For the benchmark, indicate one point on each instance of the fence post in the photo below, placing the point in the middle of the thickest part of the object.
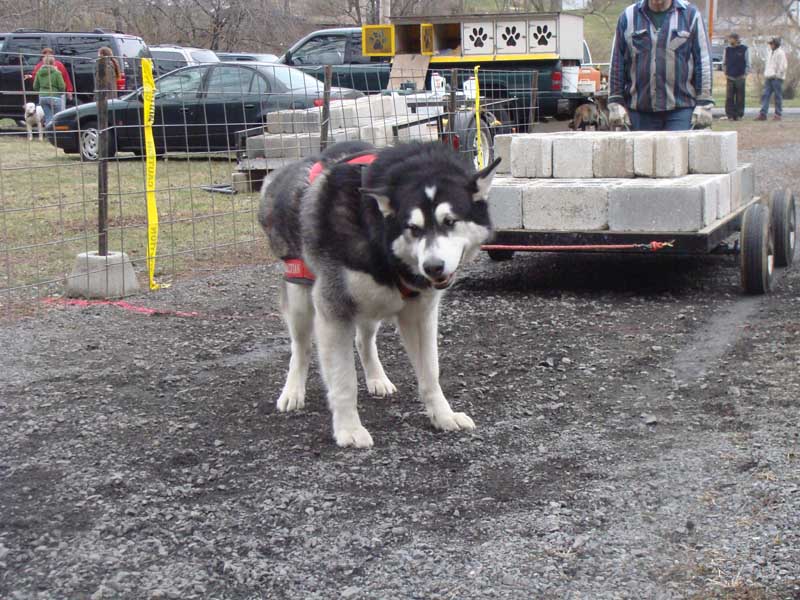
(326, 108)
(104, 84)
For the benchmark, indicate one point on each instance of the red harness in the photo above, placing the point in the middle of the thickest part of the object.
(296, 270)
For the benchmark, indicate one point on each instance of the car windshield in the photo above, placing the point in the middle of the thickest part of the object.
(292, 79)
(204, 56)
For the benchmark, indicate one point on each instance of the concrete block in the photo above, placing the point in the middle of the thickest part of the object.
(713, 152)
(96, 276)
(346, 134)
(661, 205)
(505, 202)
(572, 156)
(725, 203)
(747, 183)
(613, 156)
(671, 154)
(254, 146)
(379, 105)
(378, 134)
(419, 133)
(240, 181)
(287, 145)
(644, 148)
(532, 156)
(502, 149)
(280, 121)
(344, 115)
(306, 121)
(566, 204)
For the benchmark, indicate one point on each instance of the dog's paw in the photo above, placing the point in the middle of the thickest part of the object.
(452, 421)
(356, 437)
(380, 386)
(291, 399)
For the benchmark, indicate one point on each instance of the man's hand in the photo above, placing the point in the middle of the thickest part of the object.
(69, 96)
(701, 117)
(618, 116)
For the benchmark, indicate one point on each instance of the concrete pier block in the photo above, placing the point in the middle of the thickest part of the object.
(502, 149)
(662, 206)
(505, 202)
(96, 276)
(713, 151)
(613, 156)
(566, 204)
(532, 156)
(572, 157)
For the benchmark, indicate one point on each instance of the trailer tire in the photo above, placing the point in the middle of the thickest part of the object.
(784, 226)
(500, 255)
(467, 132)
(757, 257)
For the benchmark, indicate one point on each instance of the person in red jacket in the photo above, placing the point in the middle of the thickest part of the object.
(58, 65)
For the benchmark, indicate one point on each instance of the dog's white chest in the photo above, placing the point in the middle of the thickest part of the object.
(374, 301)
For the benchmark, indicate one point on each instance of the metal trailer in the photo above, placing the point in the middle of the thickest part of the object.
(767, 233)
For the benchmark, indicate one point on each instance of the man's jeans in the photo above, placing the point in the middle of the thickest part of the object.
(734, 98)
(50, 105)
(772, 86)
(679, 119)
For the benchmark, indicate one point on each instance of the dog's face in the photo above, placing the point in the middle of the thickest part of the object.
(436, 223)
(30, 109)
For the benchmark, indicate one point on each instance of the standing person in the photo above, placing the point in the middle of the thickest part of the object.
(61, 69)
(105, 51)
(774, 74)
(50, 84)
(660, 68)
(736, 65)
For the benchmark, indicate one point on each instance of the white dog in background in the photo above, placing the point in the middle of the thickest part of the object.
(34, 116)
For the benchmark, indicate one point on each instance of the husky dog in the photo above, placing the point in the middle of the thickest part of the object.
(34, 117)
(381, 236)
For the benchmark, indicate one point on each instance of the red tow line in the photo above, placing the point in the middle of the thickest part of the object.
(652, 246)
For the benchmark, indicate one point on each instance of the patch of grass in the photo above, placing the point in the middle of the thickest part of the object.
(598, 30)
(49, 205)
(752, 93)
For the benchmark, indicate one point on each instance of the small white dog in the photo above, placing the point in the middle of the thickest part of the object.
(34, 115)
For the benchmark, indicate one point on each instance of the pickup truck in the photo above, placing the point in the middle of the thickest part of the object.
(500, 77)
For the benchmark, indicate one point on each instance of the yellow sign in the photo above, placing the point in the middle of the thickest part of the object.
(377, 40)
(150, 168)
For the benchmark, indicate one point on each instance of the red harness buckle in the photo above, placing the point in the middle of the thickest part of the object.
(296, 271)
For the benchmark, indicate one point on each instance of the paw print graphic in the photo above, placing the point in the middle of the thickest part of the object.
(377, 40)
(542, 35)
(478, 37)
(511, 36)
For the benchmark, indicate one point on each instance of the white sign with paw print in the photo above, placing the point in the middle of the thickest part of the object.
(542, 36)
(478, 37)
(511, 37)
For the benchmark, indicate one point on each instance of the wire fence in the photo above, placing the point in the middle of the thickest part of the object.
(218, 130)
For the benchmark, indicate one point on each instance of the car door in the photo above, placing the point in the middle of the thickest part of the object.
(320, 50)
(231, 103)
(19, 57)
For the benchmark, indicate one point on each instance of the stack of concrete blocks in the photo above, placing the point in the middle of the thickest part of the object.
(618, 181)
(293, 134)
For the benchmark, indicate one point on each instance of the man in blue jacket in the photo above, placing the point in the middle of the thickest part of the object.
(736, 65)
(660, 77)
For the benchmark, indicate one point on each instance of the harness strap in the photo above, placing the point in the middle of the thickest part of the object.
(358, 159)
(296, 271)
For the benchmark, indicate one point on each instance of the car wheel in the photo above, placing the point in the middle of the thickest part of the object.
(89, 141)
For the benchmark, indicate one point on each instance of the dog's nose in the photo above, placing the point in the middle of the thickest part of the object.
(434, 267)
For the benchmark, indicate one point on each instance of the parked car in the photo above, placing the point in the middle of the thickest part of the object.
(22, 50)
(247, 57)
(197, 109)
(167, 58)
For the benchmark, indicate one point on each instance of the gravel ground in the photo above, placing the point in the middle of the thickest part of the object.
(637, 438)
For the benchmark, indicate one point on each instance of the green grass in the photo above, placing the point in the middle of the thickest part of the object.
(752, 93)
(48, 214)
(598, 30)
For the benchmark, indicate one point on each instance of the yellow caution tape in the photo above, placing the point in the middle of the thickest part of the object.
(478, 118)
(150, 169)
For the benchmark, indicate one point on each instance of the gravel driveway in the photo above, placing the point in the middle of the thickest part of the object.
(637, 438)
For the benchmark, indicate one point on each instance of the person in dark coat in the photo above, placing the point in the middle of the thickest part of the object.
(736, 65)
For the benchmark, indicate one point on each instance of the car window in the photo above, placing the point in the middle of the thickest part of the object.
(166, 61)
(321, 50)
(291, 79)
(132, 47)
(228, 82)
(184, 84)
(81, 46)
(204, 56)
(259, 85)
(22, 51)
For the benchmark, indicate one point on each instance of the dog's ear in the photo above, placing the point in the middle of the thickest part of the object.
(482, 181)
(381, 196)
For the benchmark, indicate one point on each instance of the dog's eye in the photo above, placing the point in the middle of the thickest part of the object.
(414, 230)
(449, 222)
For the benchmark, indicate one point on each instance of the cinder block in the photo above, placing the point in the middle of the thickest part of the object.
(240, 181)
(745, 178)
(644, 148)
(566, 204)
(505, 202)
(661, 205)
(419, 133)
(502, 150)
(532, 156)
(379, 105)
(613, 156)
(347, 134)
(671, 154)
(572, 156)
(306, 121)
(280, 121)
(378, 134)
(254, 145)
(344, 115)
(725, 203)
(288, 145)
(713, 151)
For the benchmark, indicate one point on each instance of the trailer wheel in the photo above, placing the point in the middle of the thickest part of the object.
(500, 255)
(784, 226)
(465, 128)
(757, 257)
